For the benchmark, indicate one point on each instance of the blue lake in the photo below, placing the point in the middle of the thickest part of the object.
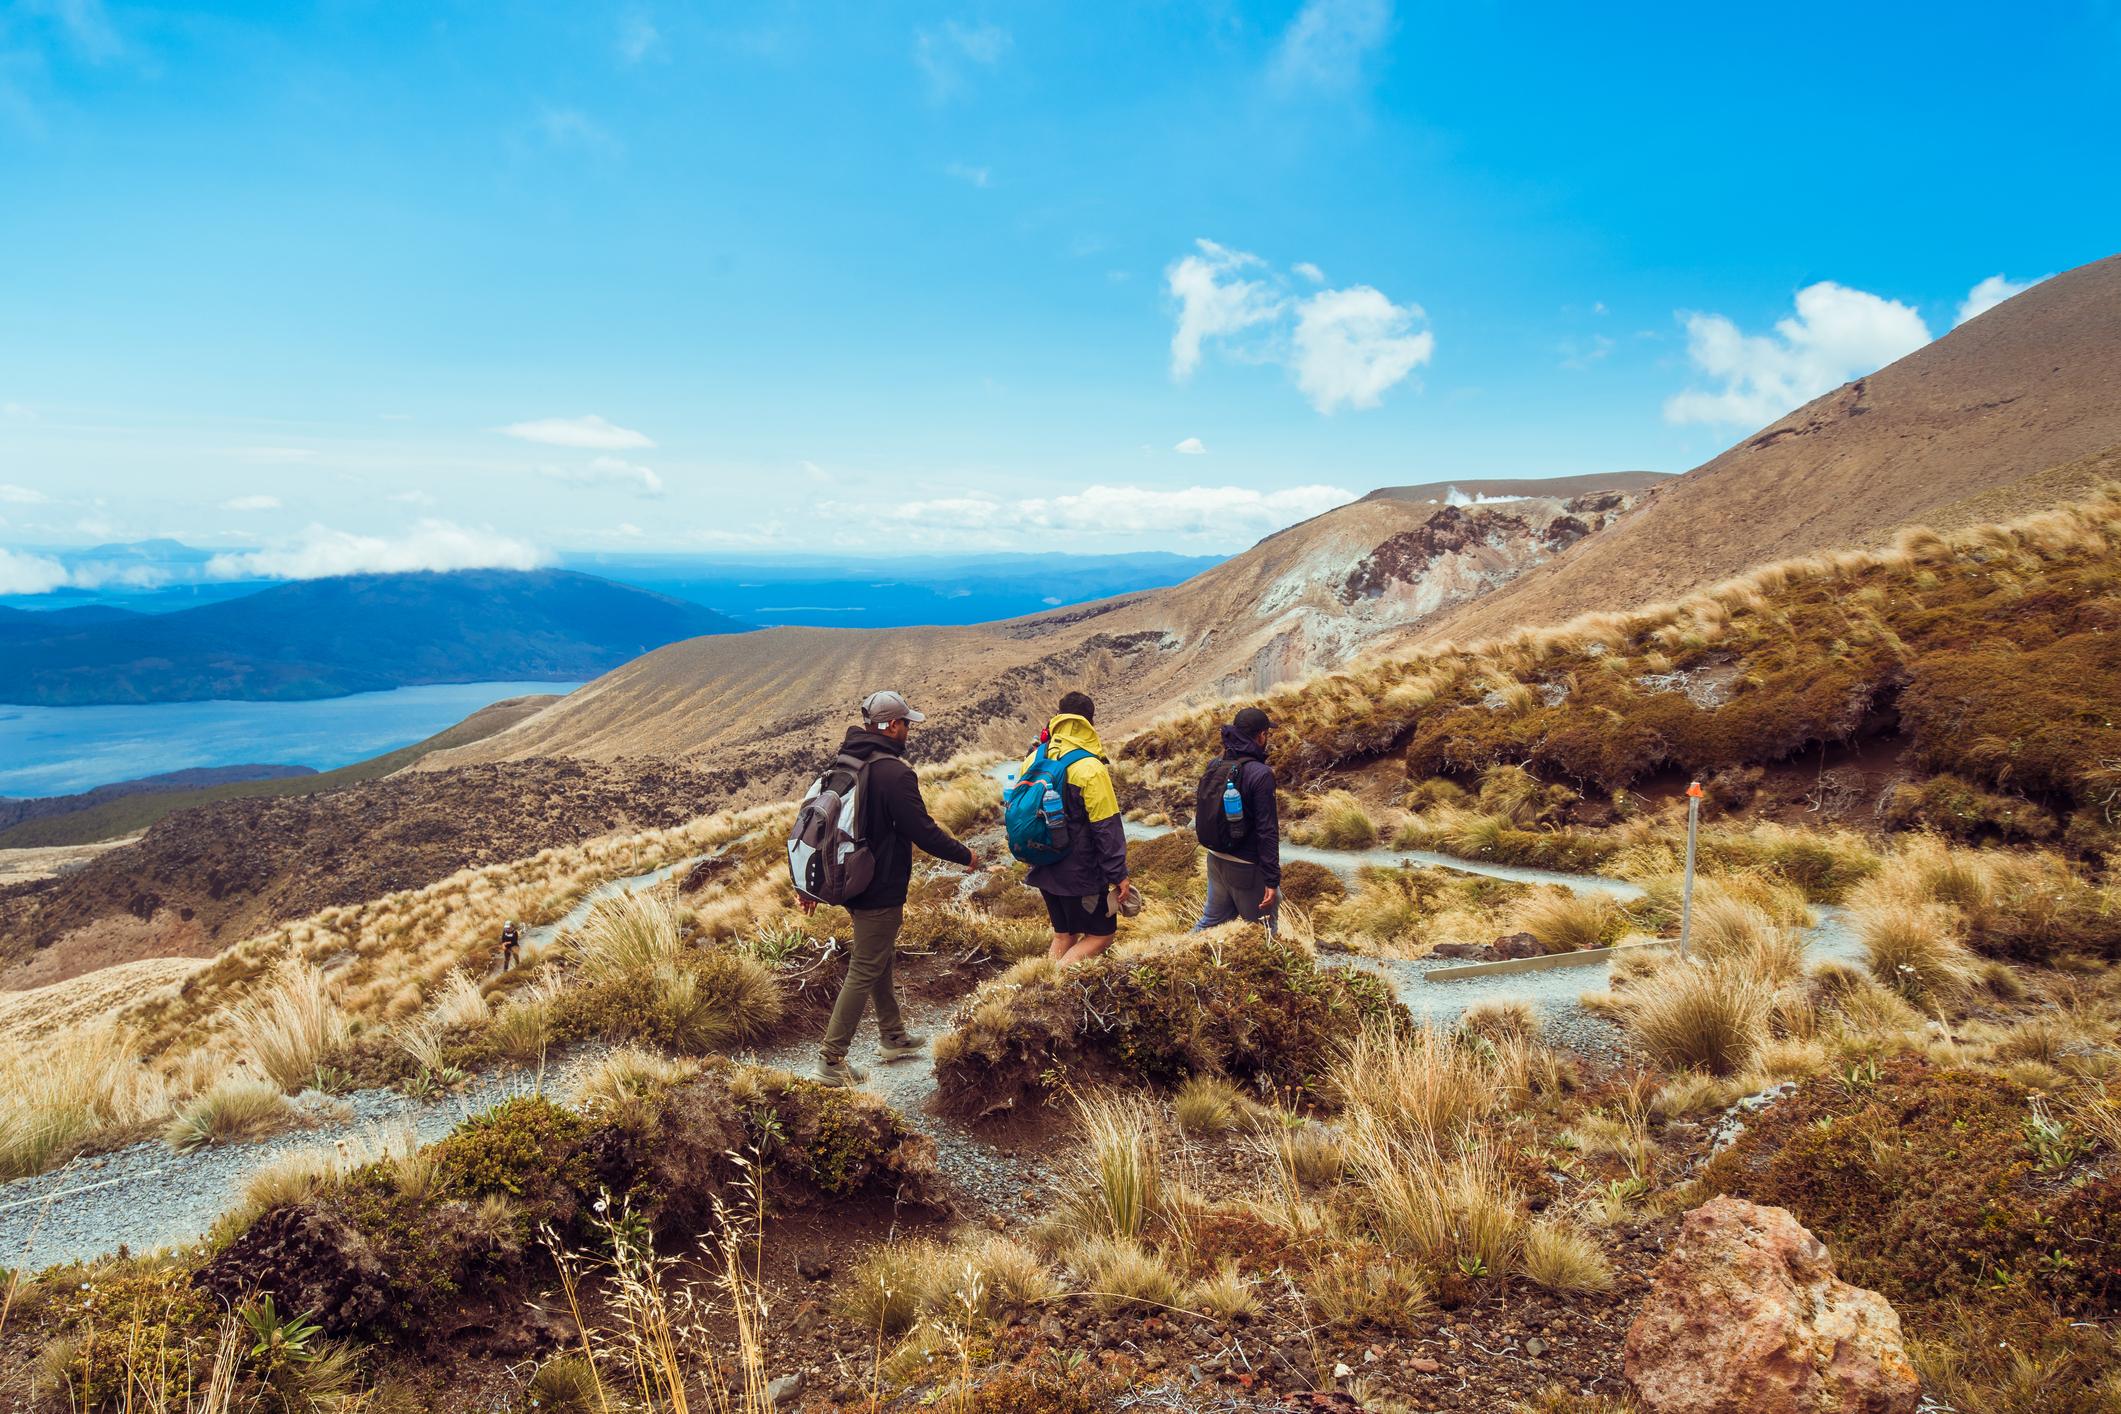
(60, 750)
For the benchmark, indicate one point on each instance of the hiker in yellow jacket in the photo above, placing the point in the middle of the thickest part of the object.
(1085, 888)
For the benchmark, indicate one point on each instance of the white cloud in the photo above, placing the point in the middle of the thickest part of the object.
(628, 530)
(1836, 334)
(429, 545)
(1991, 292)
(1192, 447)
(17, 412)
(1227, 514)
(943, 53)
(1353, 344)
(974, 176)
(412, 498)
(1309, 271)
(1579, 354)
(1345, 347)
(1456, 497)
(1329, 43)
(590, 431)
(1213, 302)
(21, 495)
(609, 471)
(251, 503)
(638, 37)
(29, 574)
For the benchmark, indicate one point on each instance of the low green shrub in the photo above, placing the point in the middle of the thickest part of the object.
(1927, 1186)
(1245, 1006)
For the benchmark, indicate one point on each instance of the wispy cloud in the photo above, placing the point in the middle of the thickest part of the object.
(1191, 447)
(1228, 515)
(609, 471)
(277, 456)
(22, 495)
(1991, 292)
(1345, 347)
(1328, 45)
(944, 54)
(84, 23)
(638, 37)
(22, 573)
(1214, 300)
(251, 503)
(590, 431)
(573, 130)
(971, 176)
(430, 545)
(1836, 334)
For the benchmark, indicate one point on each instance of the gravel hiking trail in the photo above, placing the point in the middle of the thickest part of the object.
(144, 1196)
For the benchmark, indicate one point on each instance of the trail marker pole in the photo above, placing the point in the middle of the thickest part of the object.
(1686, 897)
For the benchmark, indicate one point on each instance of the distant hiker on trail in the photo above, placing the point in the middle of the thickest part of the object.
(1235, 821)
(511, 942)
(853, 845)
(1063, 820)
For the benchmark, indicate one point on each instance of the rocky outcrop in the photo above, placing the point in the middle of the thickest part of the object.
(1746, 1316)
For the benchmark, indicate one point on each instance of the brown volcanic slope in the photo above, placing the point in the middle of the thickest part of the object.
(1305, 599)
(1559, 487)
(2028, 386)
(206, 877)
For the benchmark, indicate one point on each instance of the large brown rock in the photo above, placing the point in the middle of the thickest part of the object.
(1746, 1316)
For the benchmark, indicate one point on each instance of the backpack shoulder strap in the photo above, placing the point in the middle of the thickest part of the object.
(1074, 756)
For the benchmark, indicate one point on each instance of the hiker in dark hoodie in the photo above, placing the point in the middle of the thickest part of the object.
(894, 820)
(1086, 888)
(1235, 821)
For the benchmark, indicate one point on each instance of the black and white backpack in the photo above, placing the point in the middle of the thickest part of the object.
(829, 860)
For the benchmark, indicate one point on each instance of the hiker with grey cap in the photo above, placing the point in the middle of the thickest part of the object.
(1235, 820)
(885, 818)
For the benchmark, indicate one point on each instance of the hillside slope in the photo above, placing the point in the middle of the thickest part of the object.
(2030, 385)
(330, 637)
(1305, 599)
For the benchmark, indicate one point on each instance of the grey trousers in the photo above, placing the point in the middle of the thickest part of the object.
(870, 978)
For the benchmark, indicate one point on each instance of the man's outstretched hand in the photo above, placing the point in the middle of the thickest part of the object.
(805, 903)
(975, 864)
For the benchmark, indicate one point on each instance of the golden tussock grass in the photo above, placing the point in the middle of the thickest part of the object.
(64, 1092)
(1699, 1016)
(239, 1107)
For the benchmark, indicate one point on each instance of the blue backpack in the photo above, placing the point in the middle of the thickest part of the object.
(1034, 808)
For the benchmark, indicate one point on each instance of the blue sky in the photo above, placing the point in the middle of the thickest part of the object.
(357, 284)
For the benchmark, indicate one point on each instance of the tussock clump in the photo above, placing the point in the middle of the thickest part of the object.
(1562, 921)
(1232, 1003)
(1209, 1104)
(239, 1107)
(1420, 1084)
(641, 982)
(292, 1028)
(57, 1095)
(1119, 1273)
(1914, 949)
(1363, 1285)
(1699, 1016)
(1562, 1258)
(1338, 821)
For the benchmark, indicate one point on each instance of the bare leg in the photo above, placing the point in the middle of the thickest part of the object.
(1062, 942)
(1085, 947)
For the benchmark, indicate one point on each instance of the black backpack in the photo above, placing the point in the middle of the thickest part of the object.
(829, 859)
(1211, 827)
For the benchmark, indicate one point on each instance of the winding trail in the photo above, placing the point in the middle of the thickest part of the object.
(143, 1197)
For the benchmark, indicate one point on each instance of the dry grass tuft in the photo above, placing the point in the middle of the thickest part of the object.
(56, 1096)
(293, 1027)
(239, 1107)
(1565, 1259)
(1417, 1085)
(1563, 921)
(1700, 1016)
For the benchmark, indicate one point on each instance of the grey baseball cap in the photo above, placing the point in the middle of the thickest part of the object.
(879, 708)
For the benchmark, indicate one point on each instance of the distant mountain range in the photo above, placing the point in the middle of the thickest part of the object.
(330, 637)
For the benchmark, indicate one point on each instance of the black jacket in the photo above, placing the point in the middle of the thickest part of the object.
(1255, 781)
(894, 820)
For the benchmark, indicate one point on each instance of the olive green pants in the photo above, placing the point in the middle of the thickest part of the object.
(870, 977)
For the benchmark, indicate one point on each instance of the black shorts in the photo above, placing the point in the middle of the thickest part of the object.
(1071, 915)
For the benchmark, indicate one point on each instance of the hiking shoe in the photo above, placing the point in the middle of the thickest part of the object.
(839, 1072)
(908, 1047)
